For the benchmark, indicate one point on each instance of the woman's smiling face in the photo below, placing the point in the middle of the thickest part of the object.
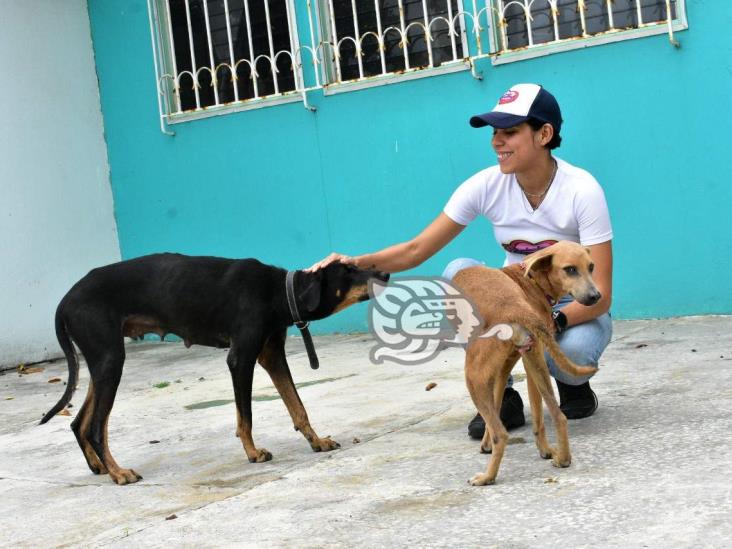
(517, 148)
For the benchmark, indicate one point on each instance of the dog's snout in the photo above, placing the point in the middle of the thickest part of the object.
(593, 297)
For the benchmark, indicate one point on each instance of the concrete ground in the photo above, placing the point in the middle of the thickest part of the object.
(650, 469)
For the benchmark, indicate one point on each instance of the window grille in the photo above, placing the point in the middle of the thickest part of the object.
(520, 24)
(378, 37)
(216, 56)
(220, 52)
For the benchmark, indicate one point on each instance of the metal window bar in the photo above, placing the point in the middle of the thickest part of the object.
(194, 71)
(529, 20)
(252, 68)
(313, 49)
(293, 60)
(640, 12)
(502, 24)
(169, 83)
(176, 81)
(427, 34)
(357, 39)
(334, 38)
(582, 11)
(403, 32)
(382, 53)
(555, 18)
(163, 105)
(212, 67)
(271, 48)
(232, 64)
(451, 29)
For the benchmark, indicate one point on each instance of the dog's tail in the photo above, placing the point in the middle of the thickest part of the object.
(560, 359)
(73, 362)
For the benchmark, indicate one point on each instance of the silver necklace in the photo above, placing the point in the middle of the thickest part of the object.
(549, 184)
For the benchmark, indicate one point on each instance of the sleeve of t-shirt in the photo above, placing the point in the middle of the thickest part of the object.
(592, 214)
(465, 203)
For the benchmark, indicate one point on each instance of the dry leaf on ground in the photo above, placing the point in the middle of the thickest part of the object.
(22, 369)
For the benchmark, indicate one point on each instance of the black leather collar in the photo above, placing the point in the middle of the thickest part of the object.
(302, 326)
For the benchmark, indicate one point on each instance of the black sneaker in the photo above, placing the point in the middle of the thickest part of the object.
(577, 401)
(512, 415)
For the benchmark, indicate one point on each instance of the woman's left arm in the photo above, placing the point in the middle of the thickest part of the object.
(602, 257)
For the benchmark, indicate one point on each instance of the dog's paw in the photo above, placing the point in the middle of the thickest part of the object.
(124, 476)
(547, 453)
(481, 479)
(324, 445)
(563, 461)
(262, 456)
(98, 468)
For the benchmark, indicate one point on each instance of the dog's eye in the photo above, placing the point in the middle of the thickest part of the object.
(591, 267)
(571, 271)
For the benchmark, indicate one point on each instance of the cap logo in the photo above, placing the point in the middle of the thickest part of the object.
(509, 97)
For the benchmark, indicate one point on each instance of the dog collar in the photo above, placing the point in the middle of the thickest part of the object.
(302, 326)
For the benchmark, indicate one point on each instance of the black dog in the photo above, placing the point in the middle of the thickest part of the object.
(241, 304)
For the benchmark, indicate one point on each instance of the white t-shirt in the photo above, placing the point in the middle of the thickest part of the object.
(573, 209)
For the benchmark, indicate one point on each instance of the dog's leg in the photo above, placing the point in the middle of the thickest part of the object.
(486, 445)
(241, 360)
(106, 372)
(483, 363)
(101, 343)
(537, 416)
(534, 360)
(273, 359)
(80, 426)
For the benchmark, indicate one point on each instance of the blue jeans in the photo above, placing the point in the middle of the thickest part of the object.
(583, 344)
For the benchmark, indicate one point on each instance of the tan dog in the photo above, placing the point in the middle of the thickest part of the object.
(521, 296)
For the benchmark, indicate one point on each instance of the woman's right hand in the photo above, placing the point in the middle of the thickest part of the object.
(406, 255)
(332, 258)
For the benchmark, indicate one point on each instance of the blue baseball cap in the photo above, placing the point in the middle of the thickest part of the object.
(518, 104)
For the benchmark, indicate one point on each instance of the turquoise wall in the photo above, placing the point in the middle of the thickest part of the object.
(372, 167)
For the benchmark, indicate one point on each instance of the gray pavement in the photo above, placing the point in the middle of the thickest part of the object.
(650, 469)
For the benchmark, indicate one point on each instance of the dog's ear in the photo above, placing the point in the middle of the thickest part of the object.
(539, 261)
(309, 295)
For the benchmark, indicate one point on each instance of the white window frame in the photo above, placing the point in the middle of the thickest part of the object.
(165, 63)
(500, 57)
(328, 67)
(476, 19)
